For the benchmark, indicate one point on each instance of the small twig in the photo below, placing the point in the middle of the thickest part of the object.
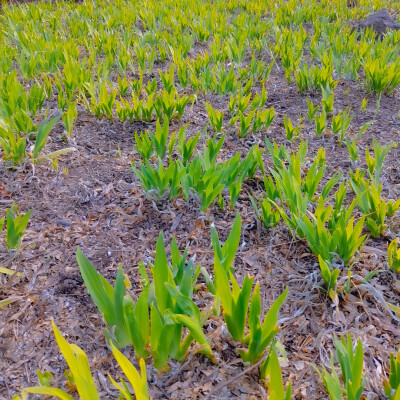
(236, 377)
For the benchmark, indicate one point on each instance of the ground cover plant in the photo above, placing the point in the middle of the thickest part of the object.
(203, 197)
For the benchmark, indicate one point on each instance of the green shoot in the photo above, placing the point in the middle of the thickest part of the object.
(393, 256)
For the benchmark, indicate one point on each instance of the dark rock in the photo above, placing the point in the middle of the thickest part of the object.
(380, 21)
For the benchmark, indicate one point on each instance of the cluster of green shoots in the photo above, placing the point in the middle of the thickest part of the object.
(295, 194)
(352, 382)
(88, 54)
(15, 225)
(351, 361)
(164, 322)
(119, 62)
(81, 378)
(393, 255)
(170, 166)
(147, 102)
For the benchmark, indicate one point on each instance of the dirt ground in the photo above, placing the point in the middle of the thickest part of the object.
(95, 201)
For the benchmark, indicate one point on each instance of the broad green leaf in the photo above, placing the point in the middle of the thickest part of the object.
(330, 381)
(358, 365)
(161, 275)
(222, 285)
(275, 384)
(231, 244)
(185, 304)
(139, 383)
(188, 280)
(161, 337)
(60, 394)
(119, 293)
(136, 328)
(271, 318)
(41, 137)
(142, 313)
(255, 311)
(122, 388)
(96, 289)
(196, 331)
(240, 308)
(79, 366)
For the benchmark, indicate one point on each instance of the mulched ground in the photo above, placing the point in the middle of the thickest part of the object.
(96, 203)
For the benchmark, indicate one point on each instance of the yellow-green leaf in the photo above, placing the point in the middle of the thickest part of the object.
(139, 383)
